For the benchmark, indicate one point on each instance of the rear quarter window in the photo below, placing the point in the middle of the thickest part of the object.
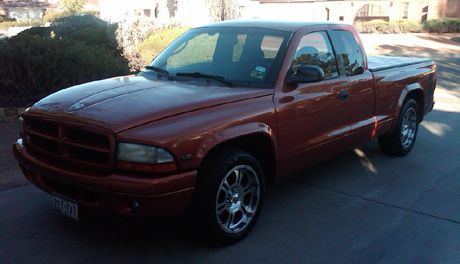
(352, 57)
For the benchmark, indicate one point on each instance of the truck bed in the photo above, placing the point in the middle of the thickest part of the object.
(379, 63)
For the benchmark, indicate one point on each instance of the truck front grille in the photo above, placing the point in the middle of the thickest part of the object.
(89, 148)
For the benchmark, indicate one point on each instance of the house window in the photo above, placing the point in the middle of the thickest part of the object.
(341, 18)
(369, 12)
(405, 9)
(424, 14)
(156, 11)
(147, 12)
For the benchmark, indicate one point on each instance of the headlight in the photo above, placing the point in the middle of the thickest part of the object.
(143, 154)
(144, 158)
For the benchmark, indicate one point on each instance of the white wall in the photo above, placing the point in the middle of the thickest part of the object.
(22, 14)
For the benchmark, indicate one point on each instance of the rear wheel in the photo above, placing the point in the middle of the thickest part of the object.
(228, 196)
(402, 139)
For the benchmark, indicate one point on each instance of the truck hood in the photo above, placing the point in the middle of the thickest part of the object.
(124, 102)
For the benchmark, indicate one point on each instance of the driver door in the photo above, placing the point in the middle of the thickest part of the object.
(313, 118)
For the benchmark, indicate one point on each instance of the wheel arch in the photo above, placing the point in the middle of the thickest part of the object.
(255, 138)
(413, 91)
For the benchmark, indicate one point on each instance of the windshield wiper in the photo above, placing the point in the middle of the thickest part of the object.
(207, 76)
(158, 69)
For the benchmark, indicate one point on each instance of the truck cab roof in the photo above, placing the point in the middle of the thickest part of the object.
(272, 24)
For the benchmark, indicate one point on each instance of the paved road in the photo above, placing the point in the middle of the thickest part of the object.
(358, 207)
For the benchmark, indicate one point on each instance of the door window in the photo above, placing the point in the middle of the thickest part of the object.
(316, 49)
(352, 57)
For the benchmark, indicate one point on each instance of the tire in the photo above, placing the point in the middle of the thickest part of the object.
(228, 197)
(402, 139)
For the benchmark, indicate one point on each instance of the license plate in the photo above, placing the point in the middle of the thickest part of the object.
(65, 206)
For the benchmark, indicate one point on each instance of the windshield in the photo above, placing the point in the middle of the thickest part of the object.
(249, 57)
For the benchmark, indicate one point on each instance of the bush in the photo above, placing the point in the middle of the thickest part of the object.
(6, 19)
(91, 12)
(131, 33)
(85, 28)
(377, 26)
(36, 62)
(157, 42)
(442, 25)
(43, 32)
(404, 26)
(25, 23)
(51, 16)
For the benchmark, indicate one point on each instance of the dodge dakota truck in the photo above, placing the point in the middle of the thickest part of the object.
(225, 110)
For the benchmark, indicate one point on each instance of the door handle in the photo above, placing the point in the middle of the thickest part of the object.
(343, 95)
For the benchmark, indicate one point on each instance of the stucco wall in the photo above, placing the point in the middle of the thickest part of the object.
(317, 11)
(26, 13)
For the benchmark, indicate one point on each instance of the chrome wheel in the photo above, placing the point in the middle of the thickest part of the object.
(408, 127)
(237, 199)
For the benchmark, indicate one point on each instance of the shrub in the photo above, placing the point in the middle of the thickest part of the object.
(91, 12)
(51, 16)
(36, 63)
(442, 25)
(131, 33)
(85, 28)
(25, 23)
(404, 26)
(6, 19)
(43, 32)
(377, 26)
(157, 42)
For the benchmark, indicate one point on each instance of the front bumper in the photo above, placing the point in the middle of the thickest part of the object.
(110, 193)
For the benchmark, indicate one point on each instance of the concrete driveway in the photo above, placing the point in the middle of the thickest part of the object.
(358, 207)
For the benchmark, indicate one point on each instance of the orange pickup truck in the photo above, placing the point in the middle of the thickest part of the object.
(223, 111)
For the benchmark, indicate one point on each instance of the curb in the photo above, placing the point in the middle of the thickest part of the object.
(10, 114)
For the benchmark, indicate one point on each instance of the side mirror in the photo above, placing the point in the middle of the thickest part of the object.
(306, 74)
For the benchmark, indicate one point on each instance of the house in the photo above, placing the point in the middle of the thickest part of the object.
(92, 5)
(185, 12)
(21, 10)
(354, 12)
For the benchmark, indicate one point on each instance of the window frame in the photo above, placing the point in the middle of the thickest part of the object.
(340, 49)
(331, 42)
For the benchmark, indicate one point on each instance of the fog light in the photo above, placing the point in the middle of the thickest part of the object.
(135, 206)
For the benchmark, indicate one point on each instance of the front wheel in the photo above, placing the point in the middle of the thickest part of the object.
(402, 139)
(228, 196)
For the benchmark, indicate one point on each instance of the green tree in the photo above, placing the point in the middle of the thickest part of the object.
(73, 6)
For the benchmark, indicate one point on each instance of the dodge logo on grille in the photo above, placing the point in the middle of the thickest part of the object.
(76, 106)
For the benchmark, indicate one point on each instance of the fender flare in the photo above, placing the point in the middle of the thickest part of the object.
(229, 133)
(402, 97)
